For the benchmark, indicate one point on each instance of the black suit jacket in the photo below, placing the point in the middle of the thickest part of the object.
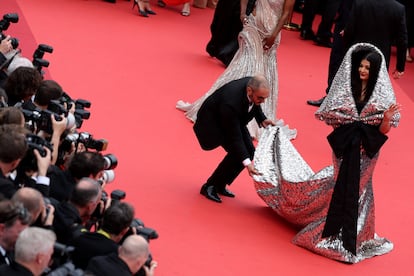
(108, 266)
(89, 245)
(381, 23)
(223, 117)
(7, 187)
(14, 269)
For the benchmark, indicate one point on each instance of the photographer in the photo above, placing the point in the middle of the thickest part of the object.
(83, 164)
(13, 147)
(130, 258)
(50, 90)
(14, 218)
(21, 85)
(42, 213)
(116, 221)
(71, 216)
(33, 252)
(5, 47)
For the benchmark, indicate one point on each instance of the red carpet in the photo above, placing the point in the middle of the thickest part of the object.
(134, 69)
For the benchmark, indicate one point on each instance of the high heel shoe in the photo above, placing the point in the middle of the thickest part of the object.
(150, 12)
(141, 12)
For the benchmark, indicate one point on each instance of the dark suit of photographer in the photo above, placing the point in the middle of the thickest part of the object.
(72, 216)
(115, 224)
(83, 164)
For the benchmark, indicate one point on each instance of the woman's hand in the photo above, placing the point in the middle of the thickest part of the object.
(268, 42)
(391, 111)
(388, 114)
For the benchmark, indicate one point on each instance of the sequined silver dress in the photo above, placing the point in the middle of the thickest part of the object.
(290, 187)
(251, 59)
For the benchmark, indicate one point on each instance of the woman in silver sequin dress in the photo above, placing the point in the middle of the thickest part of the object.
(335, 207)
(258, 42)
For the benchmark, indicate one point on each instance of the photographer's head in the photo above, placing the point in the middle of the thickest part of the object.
(86, 196)
(48, 90)
(34, 249)
(22, 84)
(13, 147)
(134, 252)
(117, 219)
(14, 218)
(87, 164)
(11, 115)
(32, 200)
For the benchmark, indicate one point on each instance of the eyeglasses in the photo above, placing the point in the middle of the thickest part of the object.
(20, 213)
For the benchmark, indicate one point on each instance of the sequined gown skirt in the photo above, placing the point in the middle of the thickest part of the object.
(290, 187)
(249, 60)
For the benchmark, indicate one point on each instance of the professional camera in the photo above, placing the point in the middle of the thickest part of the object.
(29, 161)
(146, 232)
(4, 25)
(61, 262)
(41, 119)
(86, 139)
(80, 105)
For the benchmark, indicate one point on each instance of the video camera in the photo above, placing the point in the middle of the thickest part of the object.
(4, 25)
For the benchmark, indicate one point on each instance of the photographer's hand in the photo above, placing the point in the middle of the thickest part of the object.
(49, 215)
(5, 45)
(58, 128)
(43, 163)
(149, 271)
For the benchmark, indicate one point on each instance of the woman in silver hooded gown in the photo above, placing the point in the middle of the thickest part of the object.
(258, 42)
(335, 207)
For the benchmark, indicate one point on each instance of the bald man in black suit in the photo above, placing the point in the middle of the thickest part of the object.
(221, 121)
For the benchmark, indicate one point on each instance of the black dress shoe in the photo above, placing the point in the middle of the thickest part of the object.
(324, 42)
(316, 103)
(307, 35)
(210, 193)
(226, 192)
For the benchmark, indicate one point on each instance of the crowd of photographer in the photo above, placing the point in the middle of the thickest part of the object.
(55, 216)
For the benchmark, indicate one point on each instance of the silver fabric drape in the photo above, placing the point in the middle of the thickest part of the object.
(290, 187)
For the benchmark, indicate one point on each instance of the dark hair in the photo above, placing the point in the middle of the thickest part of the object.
(10, 212)
(86, 163)
(21, 84)
(48, 90)
(82, 195)
(11, 115)
(375, 60)
(117, 218)
(13, 143)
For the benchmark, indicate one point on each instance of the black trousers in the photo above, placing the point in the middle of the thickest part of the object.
(231, 166)
(328, 10)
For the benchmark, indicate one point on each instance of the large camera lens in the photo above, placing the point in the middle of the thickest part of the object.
(110, 161)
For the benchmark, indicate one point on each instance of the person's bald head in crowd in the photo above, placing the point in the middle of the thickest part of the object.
(32, 200)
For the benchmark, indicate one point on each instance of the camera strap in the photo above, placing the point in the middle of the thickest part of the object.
(104, 233)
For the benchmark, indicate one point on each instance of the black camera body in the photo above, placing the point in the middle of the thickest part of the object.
(41, 119)
(87, 140)
(80, 105)
(29, 161)
(37, 142)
